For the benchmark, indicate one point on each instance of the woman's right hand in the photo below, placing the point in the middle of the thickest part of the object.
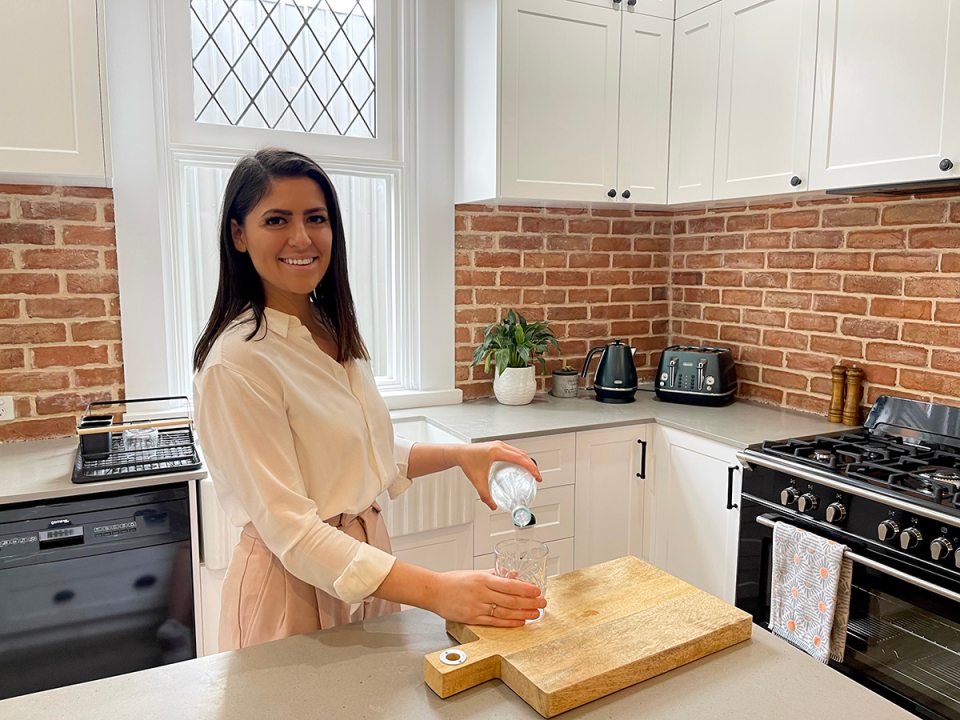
(479, 597)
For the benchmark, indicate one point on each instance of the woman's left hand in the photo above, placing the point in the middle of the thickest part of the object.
(475, 461)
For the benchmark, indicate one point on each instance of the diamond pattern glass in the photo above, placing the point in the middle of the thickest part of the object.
(300, 65)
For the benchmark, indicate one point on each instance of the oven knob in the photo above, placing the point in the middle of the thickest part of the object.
(836, 513)
(940, 548)
(910, 538)
(788, 496)
(887, 529)
(808, 502)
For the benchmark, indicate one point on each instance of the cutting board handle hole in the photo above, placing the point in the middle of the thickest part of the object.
(453, 657)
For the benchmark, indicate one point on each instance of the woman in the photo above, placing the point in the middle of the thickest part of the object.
(299, 442)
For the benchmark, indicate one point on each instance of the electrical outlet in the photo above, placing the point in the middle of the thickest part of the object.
(6, 408)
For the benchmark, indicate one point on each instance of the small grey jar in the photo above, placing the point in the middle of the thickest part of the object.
(566, 382)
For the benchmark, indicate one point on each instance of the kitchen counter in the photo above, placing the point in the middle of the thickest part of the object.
(374, 669)
(738, 424)
(41, 470)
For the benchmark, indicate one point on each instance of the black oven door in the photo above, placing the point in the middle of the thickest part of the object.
(903, 638)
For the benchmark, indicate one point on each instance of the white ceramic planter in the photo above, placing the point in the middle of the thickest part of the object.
(516, 386)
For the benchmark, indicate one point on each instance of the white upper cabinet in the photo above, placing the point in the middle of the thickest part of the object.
(768, 55)
(559, 95)
(694, 117)
(685, 7)
(51, 126)
(888, 92)
(657, 8)
(646, 57)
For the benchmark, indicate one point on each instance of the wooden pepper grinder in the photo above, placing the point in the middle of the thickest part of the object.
(836, 400)
(851, 405)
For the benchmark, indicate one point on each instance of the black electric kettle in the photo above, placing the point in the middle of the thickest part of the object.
(616, 378)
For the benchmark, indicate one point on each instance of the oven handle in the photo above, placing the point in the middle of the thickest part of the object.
(770, 521)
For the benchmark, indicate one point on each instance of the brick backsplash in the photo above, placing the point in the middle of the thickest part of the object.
(792, 284)
(59, 307)
(592, 273)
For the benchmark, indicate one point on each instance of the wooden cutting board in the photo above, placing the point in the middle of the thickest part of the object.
(606, 627)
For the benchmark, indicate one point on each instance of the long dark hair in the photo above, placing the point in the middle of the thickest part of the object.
(240, 285)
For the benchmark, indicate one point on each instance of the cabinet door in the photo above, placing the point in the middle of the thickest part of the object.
(694, 535)
(51, 119)
(768, 55)
(559, 95)
(685, 7)
(887, 102)
(657, 8)
(646, 59)
(611, 486)
(696, 62)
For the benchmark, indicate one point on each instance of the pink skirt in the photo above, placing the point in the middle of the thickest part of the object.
(263, 601)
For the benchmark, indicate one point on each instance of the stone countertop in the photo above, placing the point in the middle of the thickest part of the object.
(738, 424)
(41, 470)
(374, 669)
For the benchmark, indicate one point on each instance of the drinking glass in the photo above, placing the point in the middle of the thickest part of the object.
(144, 440)
(523, 559)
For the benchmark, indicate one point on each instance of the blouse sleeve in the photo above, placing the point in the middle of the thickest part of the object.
(401, 455)
(246, 439)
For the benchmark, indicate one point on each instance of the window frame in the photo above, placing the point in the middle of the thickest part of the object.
(392, 77)
(144, 194)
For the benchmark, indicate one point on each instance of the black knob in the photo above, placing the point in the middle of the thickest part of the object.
(616, 2)
(625, 193)
(836, 512)
(795, 181)
(946, 164)
(940, 548)
(631, 3)
(788, 496)
(611, 193)
(887, 529)
(910, 538)
(808, 502)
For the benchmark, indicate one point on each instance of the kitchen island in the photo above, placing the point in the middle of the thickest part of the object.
(374, 669)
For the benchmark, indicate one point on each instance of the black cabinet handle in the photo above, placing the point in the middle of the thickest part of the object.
(795, 181)
(611, 193)
(625, 193)
(730, 471)
(946, 164)
(631, 3)
(643, 460)
(616, 2)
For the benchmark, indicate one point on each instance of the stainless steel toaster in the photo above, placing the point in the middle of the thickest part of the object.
(696, 375)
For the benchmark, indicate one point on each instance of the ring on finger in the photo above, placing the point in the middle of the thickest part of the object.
(493, 608)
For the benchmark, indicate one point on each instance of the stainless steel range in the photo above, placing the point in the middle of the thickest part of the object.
(891, 493)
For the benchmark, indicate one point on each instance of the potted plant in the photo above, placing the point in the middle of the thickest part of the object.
(511, 346)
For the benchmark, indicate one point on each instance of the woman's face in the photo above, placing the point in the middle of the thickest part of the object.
(288, 237)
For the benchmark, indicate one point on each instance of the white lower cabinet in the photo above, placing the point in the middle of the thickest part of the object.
(611, 494)
(693, 533)
(211, 585)
(438, 550)
(560, 559)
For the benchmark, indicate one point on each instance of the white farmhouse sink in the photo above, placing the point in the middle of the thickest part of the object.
(439, 500)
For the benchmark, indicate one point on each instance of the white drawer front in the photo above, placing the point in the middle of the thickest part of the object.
(556, 456)
(560, 559)
(553, 510)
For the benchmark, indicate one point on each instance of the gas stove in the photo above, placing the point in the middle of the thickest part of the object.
(889, 492)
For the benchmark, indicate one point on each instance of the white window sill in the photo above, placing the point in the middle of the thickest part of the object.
(404, 399)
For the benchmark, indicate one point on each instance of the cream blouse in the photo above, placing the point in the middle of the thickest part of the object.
(291, 437)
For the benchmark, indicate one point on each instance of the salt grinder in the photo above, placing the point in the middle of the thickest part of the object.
(836, 400)
(851, 406)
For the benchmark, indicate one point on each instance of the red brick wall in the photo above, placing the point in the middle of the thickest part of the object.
(593, 274)
(796, 285)
(59, 307)
(792, 284)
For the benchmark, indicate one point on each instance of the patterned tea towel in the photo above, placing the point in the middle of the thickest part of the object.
(810, 597)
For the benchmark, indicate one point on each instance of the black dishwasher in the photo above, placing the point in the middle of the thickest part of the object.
(94, 586)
